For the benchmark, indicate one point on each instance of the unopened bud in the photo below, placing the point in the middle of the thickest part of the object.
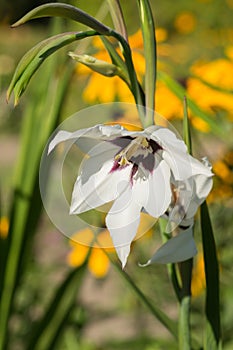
(99, 66)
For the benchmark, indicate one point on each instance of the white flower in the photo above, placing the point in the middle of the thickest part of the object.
(133, 169)
(187, 196)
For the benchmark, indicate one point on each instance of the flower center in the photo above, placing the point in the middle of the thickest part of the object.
(140, 154)
(137, 147)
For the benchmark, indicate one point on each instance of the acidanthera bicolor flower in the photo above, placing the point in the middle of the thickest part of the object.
(134, 169)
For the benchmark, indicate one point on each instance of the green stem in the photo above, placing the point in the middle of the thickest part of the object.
(135, 88)
(150, 53)
(184, 324)
(184, 313)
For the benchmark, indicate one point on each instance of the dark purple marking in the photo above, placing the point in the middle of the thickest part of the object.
(133, 172)
(154, 145)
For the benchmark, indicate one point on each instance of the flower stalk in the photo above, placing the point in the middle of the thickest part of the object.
(149, 40)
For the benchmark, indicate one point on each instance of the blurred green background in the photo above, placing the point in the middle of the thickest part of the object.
(107, 314)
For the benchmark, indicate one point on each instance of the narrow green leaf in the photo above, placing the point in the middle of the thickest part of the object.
(48, 330)
(186, 127)
(116, 59)
(149, 41)
(32, 60)
(117, 17)
(180, 92)
(159, 314)
(65, 11)
(212, 307)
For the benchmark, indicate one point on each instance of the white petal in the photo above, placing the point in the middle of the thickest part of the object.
(203, 185)
(123, 219)
(59, 137)
(98, 155)
(201, 189)
(168, 140)
(176, 249)
(100, 188)
(98, 132)
(175, 154)
(159, 190)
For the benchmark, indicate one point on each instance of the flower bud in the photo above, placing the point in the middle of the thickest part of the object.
(99, 66)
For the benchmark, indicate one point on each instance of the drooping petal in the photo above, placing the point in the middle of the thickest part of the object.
(176, 249)
(204, 182)
(159, 190)
(123, 218)
(191, 193)
(100, 188)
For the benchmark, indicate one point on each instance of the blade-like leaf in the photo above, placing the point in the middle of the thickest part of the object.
(50, 327)
(116, 59)
(65, 11)
(149, 42)
(212, 308)
(186, 127)
(117, 17)
(32, 60)
(159, 314)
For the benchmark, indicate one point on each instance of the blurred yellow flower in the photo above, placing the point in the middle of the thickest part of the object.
(185, 22)
(223, 186)
(200, 124)
(216, 73)
(4, 227)
(221, 169)
(161, 34)
(82, 242)
(198, 276)
(168, 104)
